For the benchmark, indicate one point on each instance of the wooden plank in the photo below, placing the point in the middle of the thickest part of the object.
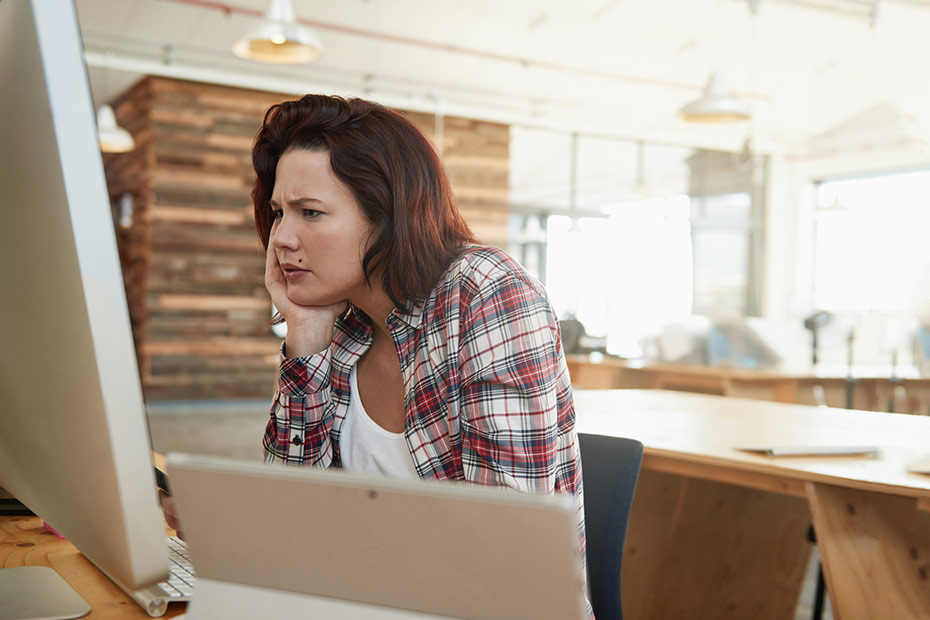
(220, 346)
(230, 142)
(170, 140)
(173, 176)
(183, 322)
(168, 238)
(220, 114)
(197, 90)
(206, 287)
(202, 197)
(454, 147)
(235, 277)
(195, 258)
(226, 391)
(699, 549)
(475, 161)
(213, 302)
(219, 364)
(190, 285)
(478, 178)
(495, 212)
(478, 194)
(188, 379)
(255, 107)
(471, 139)
(187, 115)
(199, 158)
(876, 553)
(200, 216)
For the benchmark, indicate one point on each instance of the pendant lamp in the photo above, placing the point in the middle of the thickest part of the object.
(715, 105)
(112, 137)
(279, 39)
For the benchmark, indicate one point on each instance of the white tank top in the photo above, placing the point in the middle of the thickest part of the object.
(366, 447)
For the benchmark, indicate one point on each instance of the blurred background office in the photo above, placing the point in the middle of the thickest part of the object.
(726, 184)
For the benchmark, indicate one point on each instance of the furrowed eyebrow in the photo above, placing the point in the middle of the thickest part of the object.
(296, 202)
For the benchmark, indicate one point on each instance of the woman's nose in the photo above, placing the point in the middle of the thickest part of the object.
(283, 235)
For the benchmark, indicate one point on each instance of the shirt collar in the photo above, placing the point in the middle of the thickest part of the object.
(357, 321)
(412, 316)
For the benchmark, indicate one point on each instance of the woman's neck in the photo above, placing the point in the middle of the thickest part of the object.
(378, 306)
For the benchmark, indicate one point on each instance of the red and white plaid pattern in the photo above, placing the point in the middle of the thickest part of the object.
(487, 392)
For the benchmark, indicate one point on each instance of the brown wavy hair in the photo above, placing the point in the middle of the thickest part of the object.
(394, 174)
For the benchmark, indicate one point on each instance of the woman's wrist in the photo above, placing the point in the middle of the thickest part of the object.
(303, 340)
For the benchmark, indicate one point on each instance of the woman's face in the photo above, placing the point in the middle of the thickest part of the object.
(319, 233)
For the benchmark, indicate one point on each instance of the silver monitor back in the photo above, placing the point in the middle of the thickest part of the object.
(74, 444)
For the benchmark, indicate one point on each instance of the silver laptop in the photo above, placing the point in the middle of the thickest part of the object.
(335, 544)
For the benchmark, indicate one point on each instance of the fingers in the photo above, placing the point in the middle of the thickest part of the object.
(170, 511)
(273, 273)
(275, 283)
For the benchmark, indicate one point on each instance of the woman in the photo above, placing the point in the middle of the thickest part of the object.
(410, 350)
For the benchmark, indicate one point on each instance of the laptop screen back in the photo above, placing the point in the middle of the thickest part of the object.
(442, 548)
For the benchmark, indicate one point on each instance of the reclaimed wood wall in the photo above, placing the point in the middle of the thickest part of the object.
(192, 262)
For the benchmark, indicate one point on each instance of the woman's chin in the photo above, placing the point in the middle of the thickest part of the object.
(307, 298)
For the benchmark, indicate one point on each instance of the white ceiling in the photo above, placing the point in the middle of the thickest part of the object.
(600, 67)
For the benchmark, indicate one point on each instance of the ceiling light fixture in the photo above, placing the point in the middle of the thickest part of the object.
(112, 137)
(716, 104)
(279, 39)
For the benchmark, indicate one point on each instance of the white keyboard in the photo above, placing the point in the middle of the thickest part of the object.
(180, 585)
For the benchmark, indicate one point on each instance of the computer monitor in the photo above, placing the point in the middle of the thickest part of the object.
(74, 444)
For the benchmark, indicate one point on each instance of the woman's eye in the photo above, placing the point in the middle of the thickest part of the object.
(277, 214)
(310, 213)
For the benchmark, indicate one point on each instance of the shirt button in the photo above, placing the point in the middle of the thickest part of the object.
(297, 440)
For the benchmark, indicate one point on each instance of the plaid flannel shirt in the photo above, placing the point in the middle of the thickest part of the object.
(487, 392)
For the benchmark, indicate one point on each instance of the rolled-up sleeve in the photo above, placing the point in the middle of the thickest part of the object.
(301, 419)
(513, 433)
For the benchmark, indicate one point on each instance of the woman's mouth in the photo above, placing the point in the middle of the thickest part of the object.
(293, 272)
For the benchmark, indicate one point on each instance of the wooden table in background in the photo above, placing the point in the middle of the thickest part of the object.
(871, 392)
(720, 533)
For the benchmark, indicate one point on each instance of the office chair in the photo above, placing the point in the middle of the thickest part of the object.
(610, 466)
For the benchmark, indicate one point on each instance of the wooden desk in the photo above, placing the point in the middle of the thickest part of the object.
(24, 542)
(871, 392)
(718, 533)
(715, 533)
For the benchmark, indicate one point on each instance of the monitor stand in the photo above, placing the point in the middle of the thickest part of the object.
(33, 592)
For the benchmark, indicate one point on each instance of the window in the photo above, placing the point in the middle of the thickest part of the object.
(629, 237)
(722, 237)
(624, 276)
(872, 252)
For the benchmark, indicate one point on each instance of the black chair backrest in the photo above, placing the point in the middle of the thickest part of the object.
(610, 467)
